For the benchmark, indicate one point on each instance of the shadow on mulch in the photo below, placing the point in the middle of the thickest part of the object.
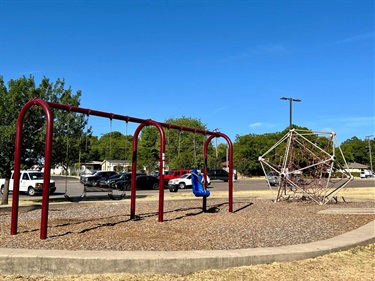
(189, 211)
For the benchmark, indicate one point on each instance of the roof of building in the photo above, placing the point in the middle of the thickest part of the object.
(357, 166)
(116, 161)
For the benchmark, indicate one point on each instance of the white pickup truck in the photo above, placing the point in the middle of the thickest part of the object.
(31, 182)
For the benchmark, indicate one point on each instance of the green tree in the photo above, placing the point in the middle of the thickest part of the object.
(184, 150)
(68, 128)
(148, 149)
(112, 146)
(121, 146)
(357, 150)
(92, 150)
(247, 149)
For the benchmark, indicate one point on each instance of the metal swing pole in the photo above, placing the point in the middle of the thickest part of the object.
(125, 148)
(66, 158)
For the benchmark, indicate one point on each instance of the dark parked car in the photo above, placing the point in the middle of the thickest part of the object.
(83, 176)
(95, 178)
(120, 178)
(106, 182)
(143, 182)
(218, 175)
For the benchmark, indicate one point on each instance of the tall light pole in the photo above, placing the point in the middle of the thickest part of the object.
(216, 130)
(291, 100)
(369, 150)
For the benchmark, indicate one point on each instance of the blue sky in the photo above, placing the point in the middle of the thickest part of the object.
(227, 63)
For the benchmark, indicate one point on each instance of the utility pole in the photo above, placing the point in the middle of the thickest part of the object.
(216, 130)
(291, 100)
(369, 150)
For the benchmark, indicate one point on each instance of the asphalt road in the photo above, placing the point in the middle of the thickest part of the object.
(74, 188)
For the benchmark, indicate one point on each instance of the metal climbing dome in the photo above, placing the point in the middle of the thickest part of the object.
(306, 165)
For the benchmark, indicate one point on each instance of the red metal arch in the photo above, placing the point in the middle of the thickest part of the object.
(161, 169)
(230, 160)
(47, 163)
(48, 150)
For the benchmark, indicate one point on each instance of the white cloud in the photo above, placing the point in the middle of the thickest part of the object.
(267, 49)
(356, 38)
(345, 127)
(255, 125)
(30, 72)
(220, 109)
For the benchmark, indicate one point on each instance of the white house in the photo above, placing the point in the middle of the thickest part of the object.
(116, 165)
(357, 167)
(90, 167)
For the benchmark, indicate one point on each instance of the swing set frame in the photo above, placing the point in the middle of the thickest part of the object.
(46, 106)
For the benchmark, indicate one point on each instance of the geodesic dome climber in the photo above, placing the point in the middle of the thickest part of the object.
(306, 165)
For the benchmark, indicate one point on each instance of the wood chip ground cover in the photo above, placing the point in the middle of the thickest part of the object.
(254, 223)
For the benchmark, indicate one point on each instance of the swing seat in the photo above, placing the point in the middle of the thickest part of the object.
(197, 186)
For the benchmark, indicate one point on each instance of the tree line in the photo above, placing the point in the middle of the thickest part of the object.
(74, 143)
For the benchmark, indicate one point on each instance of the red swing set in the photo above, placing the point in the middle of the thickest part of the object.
(143, 122)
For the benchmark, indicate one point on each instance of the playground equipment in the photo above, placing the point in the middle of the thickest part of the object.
(304, 165)
(143, 122)
(196, 182)
(87, 189)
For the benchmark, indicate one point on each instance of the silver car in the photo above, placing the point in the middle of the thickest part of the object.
(273, 178)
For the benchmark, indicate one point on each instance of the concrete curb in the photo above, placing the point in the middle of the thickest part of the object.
(60, 262)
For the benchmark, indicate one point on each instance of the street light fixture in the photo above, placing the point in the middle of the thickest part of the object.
(291, 100)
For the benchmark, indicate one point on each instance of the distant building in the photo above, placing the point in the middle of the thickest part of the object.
(357, 167)
(116, 165)
(90, 167)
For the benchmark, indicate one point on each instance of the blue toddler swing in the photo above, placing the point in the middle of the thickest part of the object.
(197, 186)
